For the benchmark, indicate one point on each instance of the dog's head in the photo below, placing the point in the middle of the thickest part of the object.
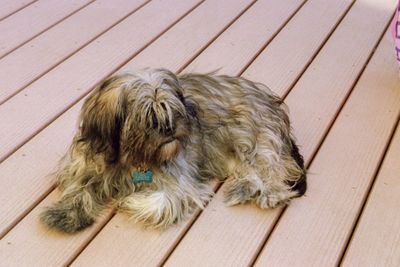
(138, 118)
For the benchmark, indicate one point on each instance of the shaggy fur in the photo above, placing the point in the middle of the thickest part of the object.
(186, 129)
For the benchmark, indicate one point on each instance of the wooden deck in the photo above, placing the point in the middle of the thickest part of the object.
(332, 60)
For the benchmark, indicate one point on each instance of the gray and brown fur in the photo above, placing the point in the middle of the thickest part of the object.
(187, 129)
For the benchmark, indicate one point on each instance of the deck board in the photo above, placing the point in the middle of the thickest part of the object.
(9, 7)
(326, 57)
(41, 102)
(33, 20)
(44, 52)
(311, 108)
(376, 241)
(341, 173)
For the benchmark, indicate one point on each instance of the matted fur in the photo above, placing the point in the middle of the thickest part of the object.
(186, 129)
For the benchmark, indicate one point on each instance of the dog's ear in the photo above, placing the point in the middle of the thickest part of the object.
(102, 117)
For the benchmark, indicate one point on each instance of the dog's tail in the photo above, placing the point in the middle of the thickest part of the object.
(300, 185)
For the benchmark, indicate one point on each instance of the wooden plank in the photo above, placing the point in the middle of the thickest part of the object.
(289, 54)
(41, 102)
(376, 241)
(33, 20)
(123, 232)
(9, 7)
(57, 137)
(47, 50)
(30, 234)
(341, 173)
(250, 225)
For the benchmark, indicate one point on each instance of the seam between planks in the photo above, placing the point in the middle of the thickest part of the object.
(368, 191)
(18, 9)
(75, 102)
(215, 37)
(317, 51)
(83, 247)
(179, 239)
(261, 50)
(73, 53)
(375, 175)
(47, 28)
(23, 215)
(315, 152)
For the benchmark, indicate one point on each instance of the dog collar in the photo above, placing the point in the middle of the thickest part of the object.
(142, 177)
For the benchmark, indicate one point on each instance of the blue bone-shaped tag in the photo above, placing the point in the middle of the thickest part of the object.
(142, 177)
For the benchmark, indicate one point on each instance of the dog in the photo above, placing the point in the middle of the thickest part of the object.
(149, 142)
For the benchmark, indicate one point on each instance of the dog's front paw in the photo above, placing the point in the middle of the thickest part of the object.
(239, 192)
(66, 219)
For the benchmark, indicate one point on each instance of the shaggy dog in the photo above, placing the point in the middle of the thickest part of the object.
(150, 141)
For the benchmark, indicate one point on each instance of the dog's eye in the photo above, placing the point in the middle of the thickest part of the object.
(168, 131)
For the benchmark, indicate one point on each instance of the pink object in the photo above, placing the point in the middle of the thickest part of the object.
(395, 27)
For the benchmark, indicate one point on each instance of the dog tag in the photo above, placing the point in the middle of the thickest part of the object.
(142, 177)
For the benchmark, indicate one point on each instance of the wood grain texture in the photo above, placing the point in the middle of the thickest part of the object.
(39, 55)
(182, 43)
(376, 240)
(314, 231)
(8, 7)
(286, 57)
(34, 19)
(41, 102)
(30, 243)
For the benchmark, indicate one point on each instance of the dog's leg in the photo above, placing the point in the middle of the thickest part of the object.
(84, 192)
(74, 212)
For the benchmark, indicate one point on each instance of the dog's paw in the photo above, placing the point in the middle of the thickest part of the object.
(68, 220)
(239, 192)
(274, 199)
